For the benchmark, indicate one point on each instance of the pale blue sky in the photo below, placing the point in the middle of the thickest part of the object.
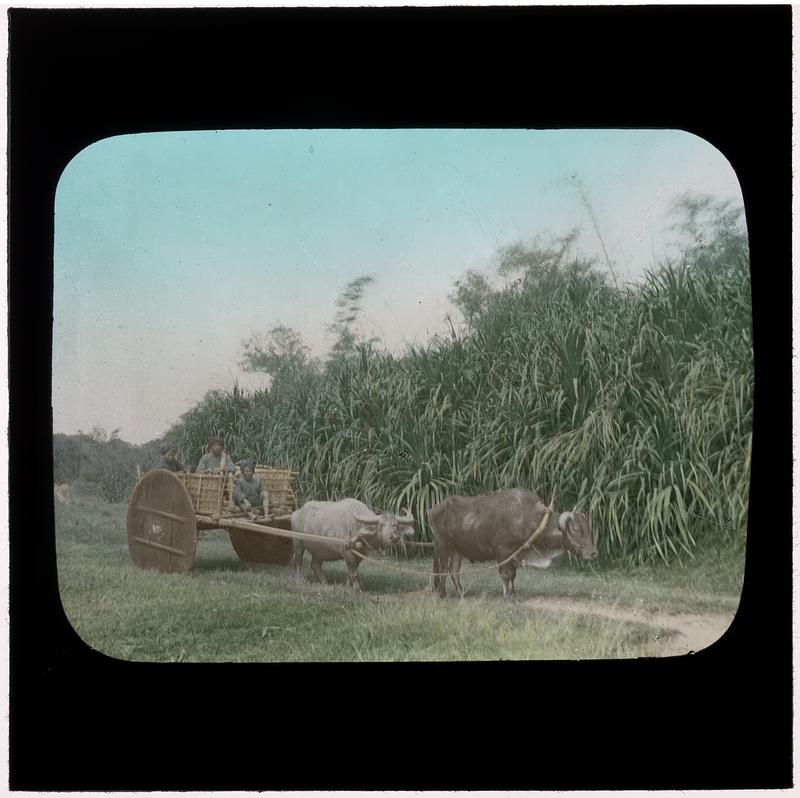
(170, 248)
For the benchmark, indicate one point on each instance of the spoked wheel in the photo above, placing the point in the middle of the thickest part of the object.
(162, 530)
(258, 549)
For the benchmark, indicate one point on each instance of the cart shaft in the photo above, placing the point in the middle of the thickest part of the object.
(249, 526)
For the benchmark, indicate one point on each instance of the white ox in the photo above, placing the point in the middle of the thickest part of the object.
(352, 522)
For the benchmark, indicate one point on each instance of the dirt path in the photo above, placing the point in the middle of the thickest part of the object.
(677, 633)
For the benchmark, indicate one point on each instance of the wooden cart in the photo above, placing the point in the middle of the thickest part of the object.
(166, 510)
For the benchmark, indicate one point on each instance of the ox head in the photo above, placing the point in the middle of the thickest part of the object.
(577, 536)
(386, 529)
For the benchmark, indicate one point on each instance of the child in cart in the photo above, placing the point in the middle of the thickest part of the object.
(249, 493)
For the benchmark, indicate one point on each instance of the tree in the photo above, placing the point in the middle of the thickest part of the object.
(715, 230)
(348, 337)
(98, 434)
(543, 266)
(535, 271)
(471, 296)
(583, 196)
(280, 353)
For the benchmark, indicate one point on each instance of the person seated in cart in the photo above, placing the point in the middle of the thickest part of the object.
(217, 459)
(249, 493)
(169, 458)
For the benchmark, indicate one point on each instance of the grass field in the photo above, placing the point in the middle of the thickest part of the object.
(226, 612)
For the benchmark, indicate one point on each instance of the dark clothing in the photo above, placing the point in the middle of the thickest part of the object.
(171, 465)
(249, 489)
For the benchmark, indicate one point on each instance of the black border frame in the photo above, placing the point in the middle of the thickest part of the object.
(719, 719)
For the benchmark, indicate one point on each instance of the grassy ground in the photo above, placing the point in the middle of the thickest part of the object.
(224, 611)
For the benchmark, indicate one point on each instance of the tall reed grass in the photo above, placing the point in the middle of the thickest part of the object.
(634, 404)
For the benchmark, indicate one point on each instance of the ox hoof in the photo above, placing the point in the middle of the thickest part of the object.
(510, 598)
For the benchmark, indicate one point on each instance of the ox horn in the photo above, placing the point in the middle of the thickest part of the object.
(364, 520)
(406, 518)
(564, 519)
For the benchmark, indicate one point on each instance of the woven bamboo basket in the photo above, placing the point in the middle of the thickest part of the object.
(212, 494)
(279, 483)
(206, 492)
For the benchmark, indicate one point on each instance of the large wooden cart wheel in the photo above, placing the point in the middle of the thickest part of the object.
(162, 530)
(255, 548)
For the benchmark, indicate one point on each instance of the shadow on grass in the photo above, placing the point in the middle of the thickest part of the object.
(217, 564)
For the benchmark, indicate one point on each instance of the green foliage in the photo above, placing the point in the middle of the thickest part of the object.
(635, 405)
(105, 461)
(67, 451)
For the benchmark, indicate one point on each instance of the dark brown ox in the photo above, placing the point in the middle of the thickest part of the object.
(494, 526)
